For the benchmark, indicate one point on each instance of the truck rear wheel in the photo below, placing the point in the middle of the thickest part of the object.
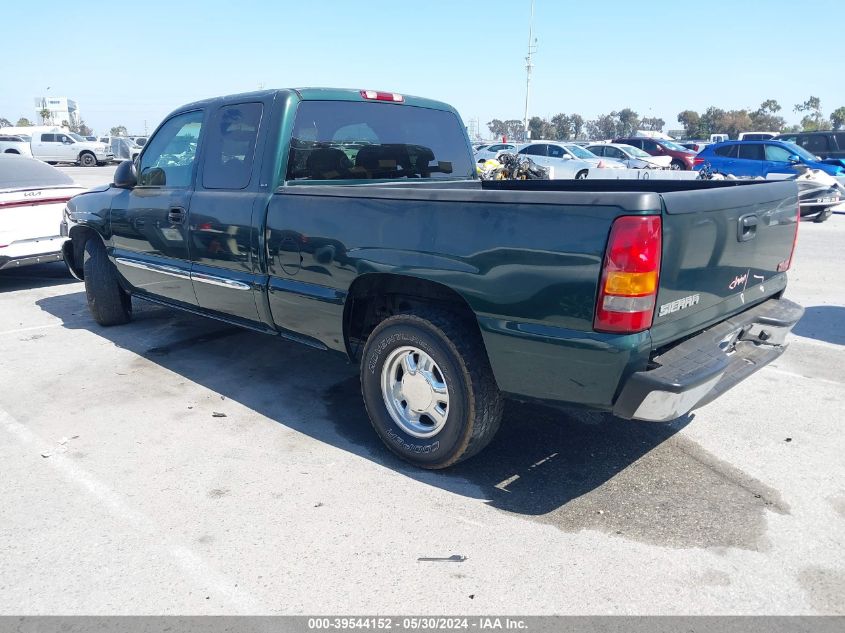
(429, 389)
(108, 303)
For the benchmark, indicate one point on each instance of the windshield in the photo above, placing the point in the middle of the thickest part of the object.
(674, 146)
(76, 137)
(636, 152)
(579, 151)
(801, 152)
(19, 173)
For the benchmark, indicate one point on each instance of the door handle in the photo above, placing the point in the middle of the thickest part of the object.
(176, 215)
(746, 227)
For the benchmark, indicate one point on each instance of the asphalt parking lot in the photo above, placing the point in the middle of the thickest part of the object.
(178, 465)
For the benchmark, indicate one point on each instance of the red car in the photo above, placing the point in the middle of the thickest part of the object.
(682, 158)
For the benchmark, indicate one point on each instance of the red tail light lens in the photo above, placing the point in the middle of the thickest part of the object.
(698, 161)
(630, 275)
(375, 95)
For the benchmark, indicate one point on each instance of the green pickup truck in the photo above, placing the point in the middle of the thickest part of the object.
(353, 221)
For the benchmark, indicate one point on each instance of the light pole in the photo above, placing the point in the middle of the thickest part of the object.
(532, 48)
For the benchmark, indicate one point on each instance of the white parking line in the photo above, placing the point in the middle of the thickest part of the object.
(794, 375)
(30, 329)
(186, 559)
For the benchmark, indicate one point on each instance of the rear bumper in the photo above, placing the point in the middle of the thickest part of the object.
(30, 252)
(701, 368)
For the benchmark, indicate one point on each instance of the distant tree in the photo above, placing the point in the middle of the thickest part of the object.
(709, 122)
(120, 130)
(577, 126)
(83, 129)
(67, 125)
(5, 122)
(23, 122)
(652, 124)
(793, 128)
(734, 122)
(691, 121)
(45, 116)
(515, 128)
(604, 126)
(563, 127)
(496, 126)
(765, 118)
(837, 118)
(814, 119)
(628, 122)
(541, 128)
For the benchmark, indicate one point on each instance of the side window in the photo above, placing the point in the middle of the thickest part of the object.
(613, 152)
(598, 151)
(230, 149)
(633, 142)
(48, 138)
(751, 152)
(495, 148)
(840, 140)
(650, 146)
(555, 151)
(170, 154)
(728, 151)
(534, 150)
(815, 143)
(777, 153)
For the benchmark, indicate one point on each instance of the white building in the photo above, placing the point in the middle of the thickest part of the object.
(61, 109)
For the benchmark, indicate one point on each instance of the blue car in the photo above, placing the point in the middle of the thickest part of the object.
(760, 158)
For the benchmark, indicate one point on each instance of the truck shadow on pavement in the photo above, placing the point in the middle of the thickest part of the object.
(38, 276)
(575, 470)
(823, 323)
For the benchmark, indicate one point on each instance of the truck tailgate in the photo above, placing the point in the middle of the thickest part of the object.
(724, 250)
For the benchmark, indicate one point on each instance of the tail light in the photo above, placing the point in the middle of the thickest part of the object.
(375, 95)
(628, 288)
(697, 161)
(787, 263)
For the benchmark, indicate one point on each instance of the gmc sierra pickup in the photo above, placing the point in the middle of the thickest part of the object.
(353, 221)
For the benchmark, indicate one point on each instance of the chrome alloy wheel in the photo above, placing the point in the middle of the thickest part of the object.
(415, 392)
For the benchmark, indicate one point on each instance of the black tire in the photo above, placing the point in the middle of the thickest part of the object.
(676, 165)
(87, 159)
(475, 404)
(108, 302)
(581, 175)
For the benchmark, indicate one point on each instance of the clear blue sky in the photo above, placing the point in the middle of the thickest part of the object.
(128, 62)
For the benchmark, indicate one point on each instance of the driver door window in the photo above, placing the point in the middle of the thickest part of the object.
(778, 154)
(169, 158)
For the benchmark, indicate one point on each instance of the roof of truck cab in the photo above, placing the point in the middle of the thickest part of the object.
(318, 94)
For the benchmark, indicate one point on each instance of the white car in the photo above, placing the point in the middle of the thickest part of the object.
(633, 157)
(566, 160)
(32, 199)
(15, 144)
(492, 151)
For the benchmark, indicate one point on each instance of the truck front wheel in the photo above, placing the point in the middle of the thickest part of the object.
(429, 389)
(108, 303)
(87, 159)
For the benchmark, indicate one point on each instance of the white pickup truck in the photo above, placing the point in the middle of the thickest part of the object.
(57, 145)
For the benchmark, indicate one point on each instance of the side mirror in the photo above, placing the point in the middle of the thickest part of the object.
(125, 176)
(794, 159)
(67, 141)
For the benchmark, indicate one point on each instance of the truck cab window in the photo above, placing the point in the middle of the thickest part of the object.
(342, 140)
(230, 152)
(170, 155)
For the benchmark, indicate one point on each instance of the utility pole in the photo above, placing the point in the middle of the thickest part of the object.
(532, 48)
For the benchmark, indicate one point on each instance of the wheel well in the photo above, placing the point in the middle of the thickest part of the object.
(376, 296)
(78, 236)
(86, 151)
(11, 151)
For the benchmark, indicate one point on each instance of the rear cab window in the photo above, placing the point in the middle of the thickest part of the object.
(349, 140)
(230, 150)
